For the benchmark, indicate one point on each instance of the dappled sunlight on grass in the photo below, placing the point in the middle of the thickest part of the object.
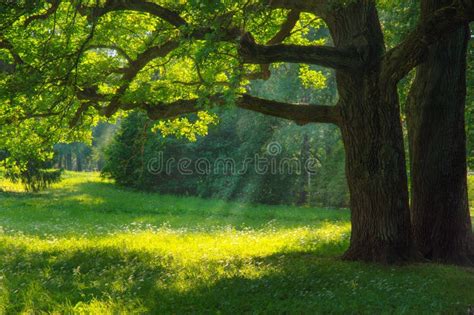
(231, 271)
(8, 186)
(171, 261)
(85, 246)
(99, 207)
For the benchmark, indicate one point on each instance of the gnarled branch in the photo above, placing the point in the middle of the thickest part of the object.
(285, 31)
(300, 113)
(134, 67)
(250, 51)
(325, 56)
(51, 10)
(136, 5)
(399, 61)
(6, 44)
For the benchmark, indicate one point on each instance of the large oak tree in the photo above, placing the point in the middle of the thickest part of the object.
(437, 140)
(78, 60)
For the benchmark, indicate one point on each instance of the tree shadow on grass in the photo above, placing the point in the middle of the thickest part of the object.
(305, 283)
(21, 194)
(285, 282)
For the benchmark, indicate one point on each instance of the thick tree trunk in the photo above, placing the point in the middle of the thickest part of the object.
(436, 131)
(373, 140)
(376, 175)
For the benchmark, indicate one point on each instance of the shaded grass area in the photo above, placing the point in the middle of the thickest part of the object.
(86, 246)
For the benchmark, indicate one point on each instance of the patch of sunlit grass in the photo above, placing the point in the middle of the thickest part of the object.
(87, 247)
(6, 185)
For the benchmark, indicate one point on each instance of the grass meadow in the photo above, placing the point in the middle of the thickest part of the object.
(85, 246)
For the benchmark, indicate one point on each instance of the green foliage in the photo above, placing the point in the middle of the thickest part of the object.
(125, 160)
(33, 172)
(398, 18)
(65, 52)
(184, 128)
(312, 78)
(34, 178)
(241, 135)
(89, 247)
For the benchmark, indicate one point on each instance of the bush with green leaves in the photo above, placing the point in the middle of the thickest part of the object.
(240, 135)
(35, 176)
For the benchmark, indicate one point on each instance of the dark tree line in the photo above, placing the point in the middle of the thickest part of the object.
(223, 164)
(81, 156)
(239, 136)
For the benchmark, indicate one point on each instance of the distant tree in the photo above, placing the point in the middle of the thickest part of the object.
(82, 156)
(74, 156)
(35, 175)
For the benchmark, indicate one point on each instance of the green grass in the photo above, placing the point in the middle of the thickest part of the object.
(86, 246)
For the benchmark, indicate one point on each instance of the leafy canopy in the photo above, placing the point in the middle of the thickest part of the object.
(52, 52)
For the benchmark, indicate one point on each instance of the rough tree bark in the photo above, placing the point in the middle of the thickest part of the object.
(372, 135)
(437, 143)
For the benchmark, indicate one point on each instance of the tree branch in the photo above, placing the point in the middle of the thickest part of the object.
(300, 113)
(6, 44)
(130, 72)
(400, 60)
(52, 9)
(250, 51)
(314, 6)
(136, 5)
(286, 28)
(285, 31)
(325, 56)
